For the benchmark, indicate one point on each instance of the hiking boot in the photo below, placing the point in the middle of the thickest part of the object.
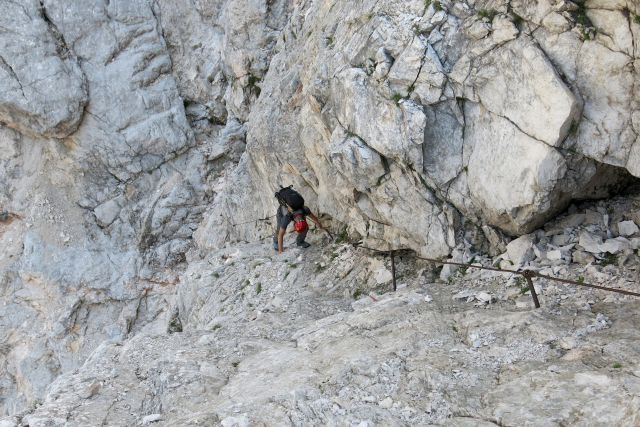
(303, 245)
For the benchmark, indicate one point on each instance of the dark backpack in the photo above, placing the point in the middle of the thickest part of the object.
(287, 196)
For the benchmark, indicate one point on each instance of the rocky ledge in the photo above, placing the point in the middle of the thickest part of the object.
(316, 337)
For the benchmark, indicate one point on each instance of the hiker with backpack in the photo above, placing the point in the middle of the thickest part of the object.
(292, 209)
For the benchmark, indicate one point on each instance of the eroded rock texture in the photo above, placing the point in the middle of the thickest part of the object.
(132, 129)
(43, 89)
(398, 119)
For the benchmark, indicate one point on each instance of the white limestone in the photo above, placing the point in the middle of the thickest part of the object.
(137, 138)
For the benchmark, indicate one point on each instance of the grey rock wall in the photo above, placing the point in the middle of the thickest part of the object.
(414, 124)
(399, 118)
(43, 89)
(123, 128)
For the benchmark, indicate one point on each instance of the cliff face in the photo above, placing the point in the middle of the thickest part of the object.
(133, 128)
(106, 179)
(405, 119)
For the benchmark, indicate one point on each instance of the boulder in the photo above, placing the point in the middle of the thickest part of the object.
(492, 144)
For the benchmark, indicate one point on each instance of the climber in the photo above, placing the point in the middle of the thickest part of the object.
(292, 208)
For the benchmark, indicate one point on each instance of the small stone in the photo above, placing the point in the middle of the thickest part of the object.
(560, 239)
(572, 221)
(593, 217)
(428, 298)
(91, 390)
(151, 419)
(485, 297)
(590, 242)
(556, 23)
(478, 30)
(382, 276)
(505, 265)
(497, 244)
(448, 270)
(237, 421)
(463, 295)
(614, 246)
(439, 17)
(581, 257)
(520, 250)
(627, 228)
(503, 30)
(524, 302)
(216, 151)
(568, 343)
(386, 403)
(555, 255)
(512, 293)
(565, 6)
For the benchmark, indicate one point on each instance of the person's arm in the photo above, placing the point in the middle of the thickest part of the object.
(281, 232)
(315, 220)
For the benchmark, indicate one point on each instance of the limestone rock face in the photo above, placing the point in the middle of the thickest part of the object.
(135, 118)
(220, 50)
(517, 81)
(97, 222)
(138, 136)
(466, 102)
(43, 90)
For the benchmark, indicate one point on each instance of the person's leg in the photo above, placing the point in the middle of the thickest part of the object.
(300, 239)
(275, 234)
